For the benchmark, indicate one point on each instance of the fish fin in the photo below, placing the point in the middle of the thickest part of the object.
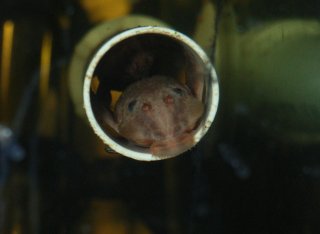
(108, 119)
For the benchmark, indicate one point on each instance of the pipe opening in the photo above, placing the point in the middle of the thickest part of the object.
(133, 56)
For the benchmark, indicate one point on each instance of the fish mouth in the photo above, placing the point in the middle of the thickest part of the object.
(143, 142)
(173, 146)
(147, 143)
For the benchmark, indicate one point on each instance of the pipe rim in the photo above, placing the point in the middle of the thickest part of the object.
(213, 97)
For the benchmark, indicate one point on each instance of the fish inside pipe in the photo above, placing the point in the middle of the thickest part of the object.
(158, 113)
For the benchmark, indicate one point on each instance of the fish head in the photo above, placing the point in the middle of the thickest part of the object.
(158, 111)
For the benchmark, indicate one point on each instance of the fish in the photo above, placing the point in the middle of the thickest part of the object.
(158, 113)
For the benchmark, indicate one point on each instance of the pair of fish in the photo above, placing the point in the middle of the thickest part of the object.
(158, 113)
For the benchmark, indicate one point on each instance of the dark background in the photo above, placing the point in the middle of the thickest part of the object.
(239, 179)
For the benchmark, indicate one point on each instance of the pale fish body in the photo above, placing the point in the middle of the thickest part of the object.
(159, 113)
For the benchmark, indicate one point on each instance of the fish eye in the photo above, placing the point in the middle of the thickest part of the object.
(178, 91)
(131, 105)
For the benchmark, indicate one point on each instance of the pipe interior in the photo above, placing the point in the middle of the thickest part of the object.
(138, 57)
